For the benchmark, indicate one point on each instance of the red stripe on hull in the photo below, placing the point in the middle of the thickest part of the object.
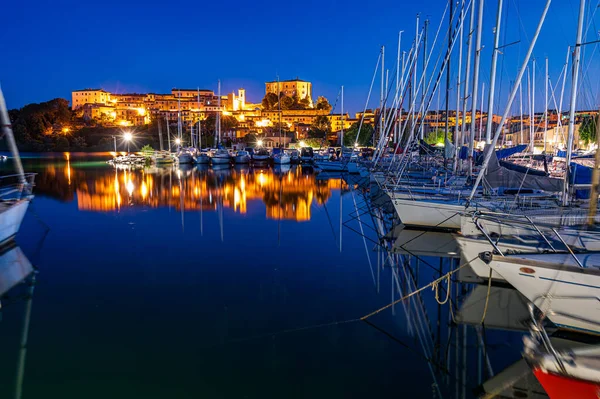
(561, 387)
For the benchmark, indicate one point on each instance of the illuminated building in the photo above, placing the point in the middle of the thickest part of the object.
(89, 96)
(292, 87)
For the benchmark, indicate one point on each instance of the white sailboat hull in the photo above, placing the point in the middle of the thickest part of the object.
(569, 295)
(11, 218)
(429, 214)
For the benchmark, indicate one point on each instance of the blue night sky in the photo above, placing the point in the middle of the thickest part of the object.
(51, 48)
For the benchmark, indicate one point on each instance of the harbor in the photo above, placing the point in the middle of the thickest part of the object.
(440, 241)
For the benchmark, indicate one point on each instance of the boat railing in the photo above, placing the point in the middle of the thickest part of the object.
(15, 187)
(524, 220)
(540, 336)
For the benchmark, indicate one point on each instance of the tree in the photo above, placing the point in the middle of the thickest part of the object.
(304, 103)
(437, 137)
(286, 102)
(364, 138)
(323, 104)
(269, 101)
(587, 130)
(147, 151)
(320, 127)
(315, 142)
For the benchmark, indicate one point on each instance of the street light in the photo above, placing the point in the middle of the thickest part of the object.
(259, 143)
(127, 136)
(302, 144)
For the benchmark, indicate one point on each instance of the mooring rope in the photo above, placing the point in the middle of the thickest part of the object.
(434, 285)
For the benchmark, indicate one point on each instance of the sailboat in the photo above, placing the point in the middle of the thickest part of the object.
(280, 157)
(184, 155)
(201, 157)
(569, 371)
(16, 191)
(338, 165)
(221, 156)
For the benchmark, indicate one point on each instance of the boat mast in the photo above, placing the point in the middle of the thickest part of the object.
(573, 104)
(490, 110)
(279, 106)
(413, 84)
(10, 138)
(467, 76)
(481, 112)
(533, 106)
(457, 129)
(381, 98)
(447, 126)
(160, 139)
(199, 131)
(511, 98)
(168, 132)
(546, 107)
(475, 84)
(398, 85)
(219, 113)
(342, 131)
(179, 118)
(521, 110)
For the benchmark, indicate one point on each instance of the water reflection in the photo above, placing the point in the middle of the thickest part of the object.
(287, 192)
(17, 272)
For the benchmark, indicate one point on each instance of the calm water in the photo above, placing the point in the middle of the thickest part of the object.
(194, 282)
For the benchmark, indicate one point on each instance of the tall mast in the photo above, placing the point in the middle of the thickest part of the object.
(521, 110)
(179, 117)
(457, 130)
(447, 127)
(342, 132)
(219, 112)
(400, 131)
(481, 112)
(279, 106)
(573, 103)
(490, 110)
(160, 139)
(168, 132)
(531, 143)
(546, 107)
(511, 98)
(396, 126)
(199, 138)
(381, 99)
(413, 85)
(533, 105)
(423, 78)
(475, 83)
(467, 76)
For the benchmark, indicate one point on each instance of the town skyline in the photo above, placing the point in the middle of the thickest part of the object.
(328, 53)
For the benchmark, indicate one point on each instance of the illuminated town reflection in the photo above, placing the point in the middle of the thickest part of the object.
(287, 192)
